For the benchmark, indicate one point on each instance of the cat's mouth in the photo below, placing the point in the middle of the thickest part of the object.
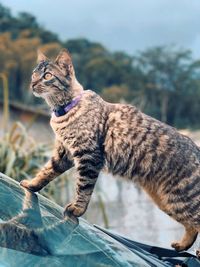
(36, 94)
(43, 95)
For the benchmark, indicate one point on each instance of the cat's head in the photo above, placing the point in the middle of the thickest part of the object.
(55, 81)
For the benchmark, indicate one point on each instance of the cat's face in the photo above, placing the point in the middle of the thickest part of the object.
(51, 78)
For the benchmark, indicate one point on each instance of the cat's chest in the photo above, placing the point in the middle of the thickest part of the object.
(64, 132)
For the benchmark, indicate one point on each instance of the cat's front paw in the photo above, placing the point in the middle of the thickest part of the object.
(74, 209)
(29, 185)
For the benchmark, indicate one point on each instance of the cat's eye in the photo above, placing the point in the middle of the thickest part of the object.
(47, 76)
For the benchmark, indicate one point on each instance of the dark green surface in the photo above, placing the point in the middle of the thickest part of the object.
(33, 232)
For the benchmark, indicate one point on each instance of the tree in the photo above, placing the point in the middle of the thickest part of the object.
(169, 73)
(116, 93)
(162, 81)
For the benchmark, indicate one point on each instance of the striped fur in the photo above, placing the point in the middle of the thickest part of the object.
(118, 138)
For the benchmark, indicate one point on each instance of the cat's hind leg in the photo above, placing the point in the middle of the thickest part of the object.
(198, 250)
(188, 239)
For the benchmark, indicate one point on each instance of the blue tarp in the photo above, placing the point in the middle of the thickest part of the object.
(33, 232)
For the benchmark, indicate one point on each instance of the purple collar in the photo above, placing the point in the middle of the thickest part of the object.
(62, 110)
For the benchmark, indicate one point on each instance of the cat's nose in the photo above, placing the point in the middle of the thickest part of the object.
(32, 88)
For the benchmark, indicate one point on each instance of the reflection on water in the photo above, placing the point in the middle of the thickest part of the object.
(133, 214)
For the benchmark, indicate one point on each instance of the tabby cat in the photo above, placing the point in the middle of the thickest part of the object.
(94, 135)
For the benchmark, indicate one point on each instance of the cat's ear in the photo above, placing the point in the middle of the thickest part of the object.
(41, 56)
(64, 61)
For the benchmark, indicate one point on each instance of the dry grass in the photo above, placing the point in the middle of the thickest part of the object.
(20, 155)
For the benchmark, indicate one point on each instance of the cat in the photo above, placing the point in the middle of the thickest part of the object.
(94, 135)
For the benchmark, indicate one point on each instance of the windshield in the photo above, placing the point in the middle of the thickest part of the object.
(33, 232)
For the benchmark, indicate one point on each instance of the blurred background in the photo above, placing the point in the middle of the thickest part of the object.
(146, 53)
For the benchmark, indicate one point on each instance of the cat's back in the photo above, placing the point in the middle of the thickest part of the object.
(139, 144)
(129, 123)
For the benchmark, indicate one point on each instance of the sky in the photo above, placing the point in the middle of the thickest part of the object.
(128, 25)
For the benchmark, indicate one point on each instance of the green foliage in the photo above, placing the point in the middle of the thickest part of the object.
(162, 81)
(172, 82)
(24, 21)
(116, 93)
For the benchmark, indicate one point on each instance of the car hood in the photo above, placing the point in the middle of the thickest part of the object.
(33, 232)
